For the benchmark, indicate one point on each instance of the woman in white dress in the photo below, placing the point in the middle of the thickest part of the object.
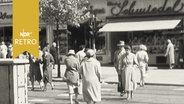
(127, 69)
(142, 58)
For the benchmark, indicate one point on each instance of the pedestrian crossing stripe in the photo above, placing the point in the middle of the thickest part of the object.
(63, 94)
(38, 100)
(107, 89)
(179, 89)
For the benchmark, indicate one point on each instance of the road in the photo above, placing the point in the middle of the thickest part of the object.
(150, 94)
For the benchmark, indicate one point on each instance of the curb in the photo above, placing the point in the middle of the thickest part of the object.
(107, 82)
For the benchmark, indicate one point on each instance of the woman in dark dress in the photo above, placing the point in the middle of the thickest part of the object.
(34, 72)
(48, 61)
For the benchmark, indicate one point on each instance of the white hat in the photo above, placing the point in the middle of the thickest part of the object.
(121, 43)
(142, 47)
(71, 52)
(54, 44)
(90, 52)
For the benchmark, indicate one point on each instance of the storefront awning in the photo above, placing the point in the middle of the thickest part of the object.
(139, 26)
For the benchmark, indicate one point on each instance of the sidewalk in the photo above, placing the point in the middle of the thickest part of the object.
(174, 77)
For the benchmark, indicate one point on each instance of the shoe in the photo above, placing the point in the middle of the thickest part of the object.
(141, 84)
(132, 95)
(44, 89)
(77, 102)
(32, 89)
(128, 98)
(121, 94)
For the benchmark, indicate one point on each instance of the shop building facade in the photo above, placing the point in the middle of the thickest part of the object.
(120, 12)
(149, 22)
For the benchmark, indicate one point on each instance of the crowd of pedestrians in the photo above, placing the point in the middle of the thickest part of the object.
(125, 63)
(40, 68)
(6, 50)
(83, 70)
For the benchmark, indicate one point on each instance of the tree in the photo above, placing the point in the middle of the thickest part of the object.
(94, 26)
(63, 12)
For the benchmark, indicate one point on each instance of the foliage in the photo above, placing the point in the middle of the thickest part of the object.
(70, 12)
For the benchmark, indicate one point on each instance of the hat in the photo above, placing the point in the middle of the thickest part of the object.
(127, 47)
(71, 52)
(90, 52)
(142, 47)
(45, 50)
(54, 44)
(121, 43)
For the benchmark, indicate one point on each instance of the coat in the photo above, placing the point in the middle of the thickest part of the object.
(128, 72)
(170, 53)
(34, 72)
(91, 76)
(72, 68)
(48, 61)
(53, 52)
(142, 59)
(117, 56)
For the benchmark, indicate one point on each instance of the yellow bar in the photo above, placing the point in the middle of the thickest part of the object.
(25, 27)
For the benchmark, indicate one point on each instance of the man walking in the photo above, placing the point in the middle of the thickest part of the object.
(117, 55)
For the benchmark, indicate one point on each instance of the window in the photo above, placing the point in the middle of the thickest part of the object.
(100, 44)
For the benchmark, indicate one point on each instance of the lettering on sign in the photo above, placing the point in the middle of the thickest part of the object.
(25, 39)
(5, 15)
(128, 8)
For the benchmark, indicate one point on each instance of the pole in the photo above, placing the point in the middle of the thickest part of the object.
(58, 58)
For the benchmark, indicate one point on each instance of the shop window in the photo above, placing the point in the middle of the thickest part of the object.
(161, 60)
(156, 41)
(6, 34)
(100, 44)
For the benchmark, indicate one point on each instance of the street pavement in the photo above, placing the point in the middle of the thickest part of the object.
(163, 86)
(150, 94)
(155, 76)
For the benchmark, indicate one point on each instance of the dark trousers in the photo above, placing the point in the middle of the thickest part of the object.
(120, 86)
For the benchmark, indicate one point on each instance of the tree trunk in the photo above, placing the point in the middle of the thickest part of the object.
(58, 49)
(93, 43)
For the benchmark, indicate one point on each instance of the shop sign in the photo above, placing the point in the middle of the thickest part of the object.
(5, 15)
(130, 8)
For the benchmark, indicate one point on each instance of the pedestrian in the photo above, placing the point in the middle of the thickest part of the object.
(47, 47)
(40, 59)
(142, 59)
(4, 49)
(48, 61)
(9, 51)
(181, 54)
(91, 78)
(170, 53)
(127, 69)
(72, 75)
(53, 52)
(81, 54)
(117, 55)
(34, 71)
